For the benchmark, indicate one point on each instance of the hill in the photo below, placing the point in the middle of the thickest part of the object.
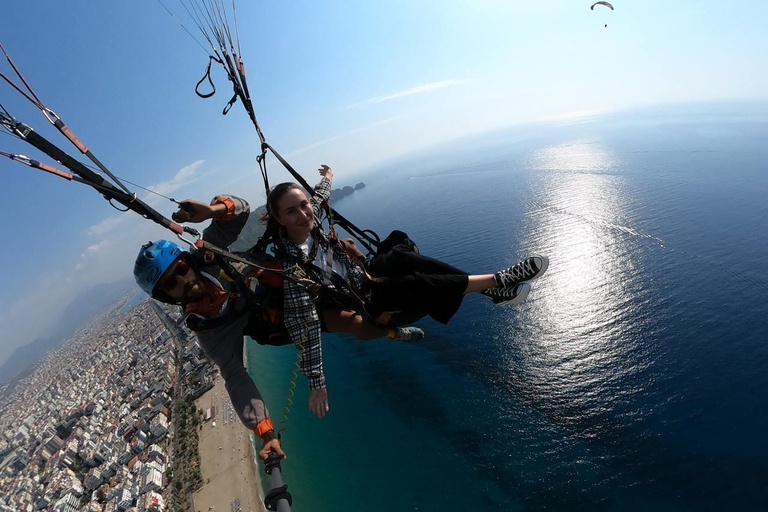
(86, 305)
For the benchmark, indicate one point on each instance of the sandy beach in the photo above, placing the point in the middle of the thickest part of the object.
(230, 477)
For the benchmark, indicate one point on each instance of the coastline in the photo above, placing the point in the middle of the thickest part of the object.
(227, 459)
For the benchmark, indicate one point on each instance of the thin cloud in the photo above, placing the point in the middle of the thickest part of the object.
(105, 226)
(186, 175)
(419, 89)
(341, 136)
(93, 251)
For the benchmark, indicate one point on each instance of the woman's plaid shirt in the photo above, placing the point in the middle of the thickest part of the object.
(299, 311)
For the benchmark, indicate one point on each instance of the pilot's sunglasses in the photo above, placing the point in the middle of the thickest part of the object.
(170, 281)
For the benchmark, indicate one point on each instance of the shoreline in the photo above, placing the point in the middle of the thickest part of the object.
(227, 459)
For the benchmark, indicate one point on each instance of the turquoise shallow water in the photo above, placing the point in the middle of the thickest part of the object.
(634, 376)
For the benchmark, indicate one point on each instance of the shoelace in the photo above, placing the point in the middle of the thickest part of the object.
(508, 292)
(502, 293)
(519, 272)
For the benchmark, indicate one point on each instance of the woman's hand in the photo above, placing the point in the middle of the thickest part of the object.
(352, 250)
(385, 317)
(318, 402)
(325, 172)
(195, 211)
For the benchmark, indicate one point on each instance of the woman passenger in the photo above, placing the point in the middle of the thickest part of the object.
(403, 281)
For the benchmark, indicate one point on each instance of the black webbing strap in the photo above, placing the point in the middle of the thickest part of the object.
(264, 240)
(237, 72)
(236, 78)
(298, 177)
(207, 75)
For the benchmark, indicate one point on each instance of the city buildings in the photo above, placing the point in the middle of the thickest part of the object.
(88, 430)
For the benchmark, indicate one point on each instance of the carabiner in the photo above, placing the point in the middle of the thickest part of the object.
(23, 159)
(50, 115)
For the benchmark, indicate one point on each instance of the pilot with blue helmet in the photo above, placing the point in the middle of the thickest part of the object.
(171, 274)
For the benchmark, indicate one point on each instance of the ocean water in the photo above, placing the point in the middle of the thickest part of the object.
(634, 377)
(137, 298)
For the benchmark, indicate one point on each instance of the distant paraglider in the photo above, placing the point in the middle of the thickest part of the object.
(606, 4)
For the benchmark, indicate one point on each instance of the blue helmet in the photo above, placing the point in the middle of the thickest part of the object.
(154, 259)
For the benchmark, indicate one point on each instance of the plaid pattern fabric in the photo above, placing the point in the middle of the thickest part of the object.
(299, 312)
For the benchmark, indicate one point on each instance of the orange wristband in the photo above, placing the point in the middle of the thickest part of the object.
(263, 427)
(226, 201)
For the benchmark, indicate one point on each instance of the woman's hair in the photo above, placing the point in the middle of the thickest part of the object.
(274, 197)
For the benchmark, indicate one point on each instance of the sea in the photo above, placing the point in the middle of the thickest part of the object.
(136, 298)
(633, 378)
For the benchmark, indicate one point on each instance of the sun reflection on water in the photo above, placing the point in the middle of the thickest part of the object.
(576, 323)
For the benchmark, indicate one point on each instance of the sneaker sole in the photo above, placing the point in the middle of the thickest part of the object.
(526, 289)
(544, 266)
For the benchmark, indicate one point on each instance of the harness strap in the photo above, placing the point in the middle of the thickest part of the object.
(202, 324)
(334, 287)
(328, 273)
(328, 267)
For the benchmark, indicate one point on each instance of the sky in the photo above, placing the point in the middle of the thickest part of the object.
(349, 84)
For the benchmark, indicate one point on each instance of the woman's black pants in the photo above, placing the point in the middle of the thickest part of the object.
(416, 284)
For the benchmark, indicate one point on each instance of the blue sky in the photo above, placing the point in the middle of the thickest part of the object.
(350, 84)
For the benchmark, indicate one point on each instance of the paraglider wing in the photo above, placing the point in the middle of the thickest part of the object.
(607, 4)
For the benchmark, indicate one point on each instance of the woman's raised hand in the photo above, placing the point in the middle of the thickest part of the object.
(325, 172)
